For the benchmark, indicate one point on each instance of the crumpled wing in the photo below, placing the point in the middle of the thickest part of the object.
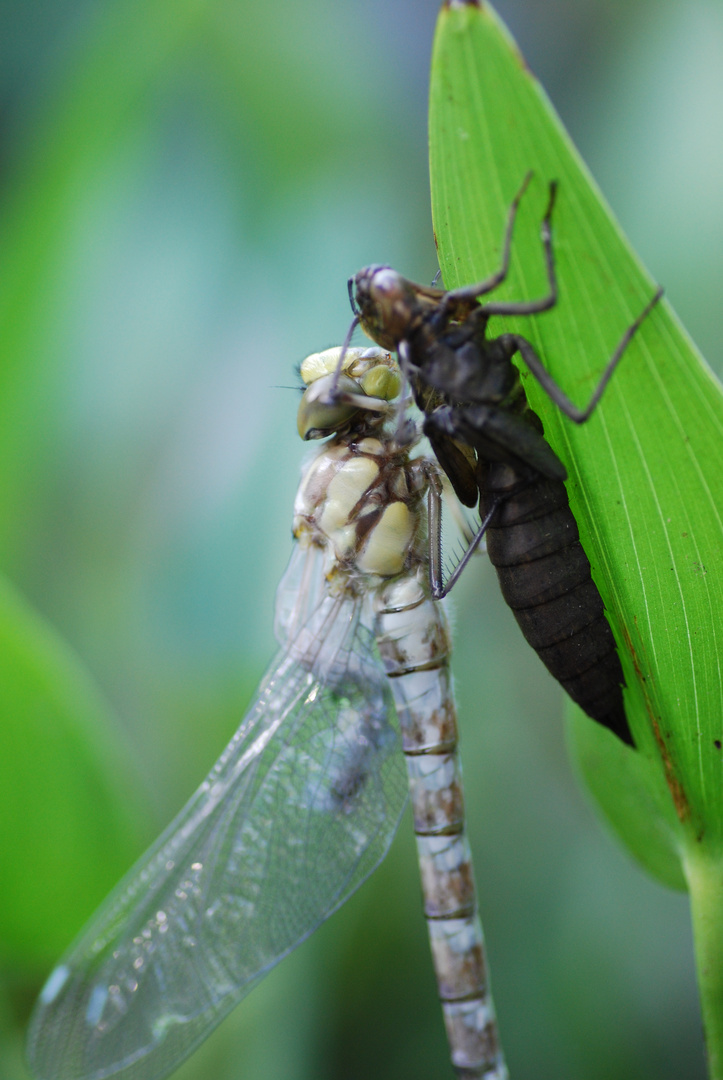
(299, 809)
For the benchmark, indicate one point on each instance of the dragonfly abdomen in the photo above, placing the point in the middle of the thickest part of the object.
(413, 642)
(362, 500)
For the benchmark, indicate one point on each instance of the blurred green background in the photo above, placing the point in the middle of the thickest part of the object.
(184, 188)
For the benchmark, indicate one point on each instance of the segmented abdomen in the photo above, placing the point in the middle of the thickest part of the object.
(413, 642)
(545, 577)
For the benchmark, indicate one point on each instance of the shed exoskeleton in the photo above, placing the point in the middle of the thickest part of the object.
(492, 447)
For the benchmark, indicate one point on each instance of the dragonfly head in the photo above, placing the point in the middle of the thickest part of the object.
(367, 381)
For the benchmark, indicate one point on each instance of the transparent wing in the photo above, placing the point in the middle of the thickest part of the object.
(297, 812)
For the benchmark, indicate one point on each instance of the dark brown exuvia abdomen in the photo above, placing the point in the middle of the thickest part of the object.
(545, 578)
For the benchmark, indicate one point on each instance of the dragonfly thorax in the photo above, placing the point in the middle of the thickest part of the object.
(364, 501)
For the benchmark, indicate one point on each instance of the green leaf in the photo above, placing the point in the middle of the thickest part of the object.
(637, 806)
(646, 484)
(68, 824)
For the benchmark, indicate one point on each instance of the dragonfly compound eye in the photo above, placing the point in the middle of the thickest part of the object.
(381, 382)
(323, 410)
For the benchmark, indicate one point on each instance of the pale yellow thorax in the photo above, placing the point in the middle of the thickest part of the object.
(347, 499)
(387, 545)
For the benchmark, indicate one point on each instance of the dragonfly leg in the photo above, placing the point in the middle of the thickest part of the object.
(439, 587)
(467, 293)
(526, 307)
(554, 391)
(344, 348)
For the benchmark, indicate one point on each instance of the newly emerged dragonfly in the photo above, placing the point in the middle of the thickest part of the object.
(492, 447)
(303, 803)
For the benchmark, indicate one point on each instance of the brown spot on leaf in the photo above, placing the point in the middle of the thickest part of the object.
(677, 791)
(680, 801)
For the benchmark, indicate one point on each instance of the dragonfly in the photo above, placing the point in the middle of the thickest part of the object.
(304, 802)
